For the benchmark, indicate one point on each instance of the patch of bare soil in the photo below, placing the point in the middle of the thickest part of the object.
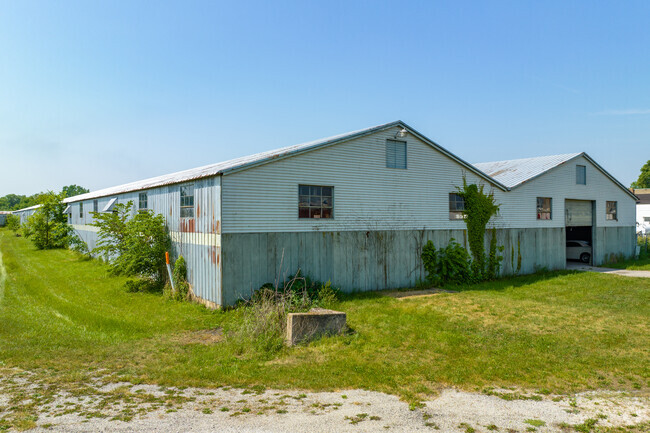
(203, 336)
(400, 294)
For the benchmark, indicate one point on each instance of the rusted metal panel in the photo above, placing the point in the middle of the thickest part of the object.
(198, 239)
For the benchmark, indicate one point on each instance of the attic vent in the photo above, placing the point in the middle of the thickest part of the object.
(395, 154)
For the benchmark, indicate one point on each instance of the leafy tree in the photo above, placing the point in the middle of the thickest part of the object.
(72, 190)
(27, 201)
(48, 227)
(134, 246)
(9, 201)
(644, 178)
(13, 223)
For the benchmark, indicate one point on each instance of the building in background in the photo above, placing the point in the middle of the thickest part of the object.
(643, 211)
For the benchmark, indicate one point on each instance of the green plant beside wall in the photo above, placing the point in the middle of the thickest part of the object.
(450, 264)
(13, 223)
(134, 245)
(179, 275)
(48, 227)
(494, 257)
(480, 207)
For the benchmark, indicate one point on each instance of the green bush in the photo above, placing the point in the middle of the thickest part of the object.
(13, 223)
(48, 227)
(450, 264)
(134, 246)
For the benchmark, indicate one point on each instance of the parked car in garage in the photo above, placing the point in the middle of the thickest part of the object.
(578, 250)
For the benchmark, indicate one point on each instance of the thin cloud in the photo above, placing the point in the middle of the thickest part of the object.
(556, 85)
(629, 112)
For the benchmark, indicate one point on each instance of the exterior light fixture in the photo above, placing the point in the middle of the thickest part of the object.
(402, 133)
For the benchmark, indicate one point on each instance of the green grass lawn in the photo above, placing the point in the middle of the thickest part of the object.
(640, 264)
(67, 319)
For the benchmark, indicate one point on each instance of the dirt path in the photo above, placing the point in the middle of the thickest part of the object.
(26, 402)
(3, 277)
(623, 272)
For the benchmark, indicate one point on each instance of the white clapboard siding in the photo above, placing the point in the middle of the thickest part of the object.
(370, 196)
(367, 194)
(520, 206)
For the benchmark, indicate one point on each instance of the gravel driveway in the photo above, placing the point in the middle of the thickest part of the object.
(124, 407)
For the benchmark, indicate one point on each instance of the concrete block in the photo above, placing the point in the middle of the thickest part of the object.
(304, 327)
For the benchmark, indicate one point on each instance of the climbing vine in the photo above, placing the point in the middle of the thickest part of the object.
(480, 207)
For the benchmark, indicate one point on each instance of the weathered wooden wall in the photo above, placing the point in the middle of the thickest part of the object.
(613, 242)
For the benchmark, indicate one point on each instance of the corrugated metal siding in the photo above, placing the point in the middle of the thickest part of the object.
(360, 260)
(368, 196)
(198, 239)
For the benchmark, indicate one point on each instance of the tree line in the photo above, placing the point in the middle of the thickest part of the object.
(16, 201)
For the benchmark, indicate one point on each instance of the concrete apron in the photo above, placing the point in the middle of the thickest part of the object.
(623, 272)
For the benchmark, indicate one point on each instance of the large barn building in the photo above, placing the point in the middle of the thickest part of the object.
(357, 208)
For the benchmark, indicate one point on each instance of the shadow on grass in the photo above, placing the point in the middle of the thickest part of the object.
(496, 285)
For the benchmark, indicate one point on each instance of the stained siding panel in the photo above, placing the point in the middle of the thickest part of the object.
(198, 239)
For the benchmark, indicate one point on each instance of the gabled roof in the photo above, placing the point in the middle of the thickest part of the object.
(515, 172)
(264, 158)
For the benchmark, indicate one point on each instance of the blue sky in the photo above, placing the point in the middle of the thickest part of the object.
(102, 93)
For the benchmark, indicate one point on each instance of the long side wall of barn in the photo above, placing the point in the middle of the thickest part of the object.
(367, 260)
(197, 239)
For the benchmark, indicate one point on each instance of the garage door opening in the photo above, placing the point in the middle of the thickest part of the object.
(579, 244)
(579, 233)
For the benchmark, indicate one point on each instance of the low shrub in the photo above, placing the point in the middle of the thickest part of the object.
(450, 264)
(264, 316)
(133, 245)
